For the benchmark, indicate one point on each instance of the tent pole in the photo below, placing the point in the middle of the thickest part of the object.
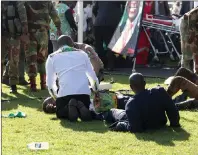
(80, 21)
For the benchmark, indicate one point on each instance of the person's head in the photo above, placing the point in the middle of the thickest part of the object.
(132, 9)
(65, 40)
(137, 82)
(49, 105)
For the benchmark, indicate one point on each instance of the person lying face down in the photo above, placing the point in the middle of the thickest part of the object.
(74, 71)
(95, 60)
(147, 109)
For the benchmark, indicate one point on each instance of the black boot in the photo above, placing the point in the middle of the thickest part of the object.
(23, 82)
(13, 89)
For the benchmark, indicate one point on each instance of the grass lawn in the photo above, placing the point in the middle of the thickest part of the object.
(84, 138)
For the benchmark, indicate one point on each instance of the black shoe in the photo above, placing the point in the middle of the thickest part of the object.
(85, 114)
(73, 111)
(13, 89)
(23, 82)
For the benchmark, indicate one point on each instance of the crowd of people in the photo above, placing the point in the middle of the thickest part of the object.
(42, 34)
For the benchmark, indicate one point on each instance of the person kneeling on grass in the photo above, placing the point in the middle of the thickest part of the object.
(74, 72)
(147, 109)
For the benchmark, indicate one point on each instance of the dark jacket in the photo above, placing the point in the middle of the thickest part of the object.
(185, 7)
(107, 13)
(148, 110)
(163, 8)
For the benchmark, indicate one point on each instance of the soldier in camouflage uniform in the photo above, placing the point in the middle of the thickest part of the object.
(14, 31)
(39, 15)
(189, 39)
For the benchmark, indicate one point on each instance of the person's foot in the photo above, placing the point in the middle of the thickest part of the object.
(13, 89)
(23, 82)
(5, 81)
(73, 111)
(85, 114)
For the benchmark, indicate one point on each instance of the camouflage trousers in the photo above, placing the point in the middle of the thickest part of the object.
(186, 81)
(11, 47)
(37, 52)
(189, 43)
(21, 65)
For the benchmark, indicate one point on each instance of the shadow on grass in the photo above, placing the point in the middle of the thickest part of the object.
(24, 97)
(92, 126)
(165, 136)
(122, 79)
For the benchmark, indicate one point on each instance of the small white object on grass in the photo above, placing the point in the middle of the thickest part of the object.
(38, 146)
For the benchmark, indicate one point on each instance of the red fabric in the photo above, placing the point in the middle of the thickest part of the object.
(142, 57)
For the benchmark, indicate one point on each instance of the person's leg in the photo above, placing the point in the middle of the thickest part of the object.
(22, 80)
(4, 52)
(42, 39)
(99, 42)
(13, 56)
(5, 79)
(187, 54)
(62, 107)
(108, 34)
(55, 45)
(115, 115)
(185, 85)
(188, 74)
(189, 104)
(31, 60)
(83, 107)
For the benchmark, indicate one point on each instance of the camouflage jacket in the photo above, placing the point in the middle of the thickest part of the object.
(40, 14)
(19, 13)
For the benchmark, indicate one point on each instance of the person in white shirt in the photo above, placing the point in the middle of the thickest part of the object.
(74, 72)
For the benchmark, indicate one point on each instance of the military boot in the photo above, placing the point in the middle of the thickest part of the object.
(43, 81)
(33, 84)
(13, 89)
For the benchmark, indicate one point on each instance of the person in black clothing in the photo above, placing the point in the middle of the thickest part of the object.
(146, 109)
(108, 15)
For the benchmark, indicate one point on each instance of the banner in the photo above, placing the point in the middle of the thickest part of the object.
(125, 38)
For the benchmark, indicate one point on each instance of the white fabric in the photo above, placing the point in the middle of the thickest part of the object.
(72, 69)
(195, 4)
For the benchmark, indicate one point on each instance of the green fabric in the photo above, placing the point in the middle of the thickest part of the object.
(65, 27)
(19, 114)
(108, 100)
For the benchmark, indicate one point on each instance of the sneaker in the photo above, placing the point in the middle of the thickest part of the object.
(85, 114)
(72, 110)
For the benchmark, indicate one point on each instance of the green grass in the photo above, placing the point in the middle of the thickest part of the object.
(84, 138)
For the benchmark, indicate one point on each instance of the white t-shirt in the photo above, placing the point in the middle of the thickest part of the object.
(74, 72)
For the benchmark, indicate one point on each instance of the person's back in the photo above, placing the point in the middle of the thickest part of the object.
(146, 110)
(108, 13)
(69, 65)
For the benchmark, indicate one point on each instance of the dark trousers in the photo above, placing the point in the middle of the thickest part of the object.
(62, 104)
(103, 34)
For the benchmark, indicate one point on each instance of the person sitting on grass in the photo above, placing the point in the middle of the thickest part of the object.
(74, 72)
(147, 109)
